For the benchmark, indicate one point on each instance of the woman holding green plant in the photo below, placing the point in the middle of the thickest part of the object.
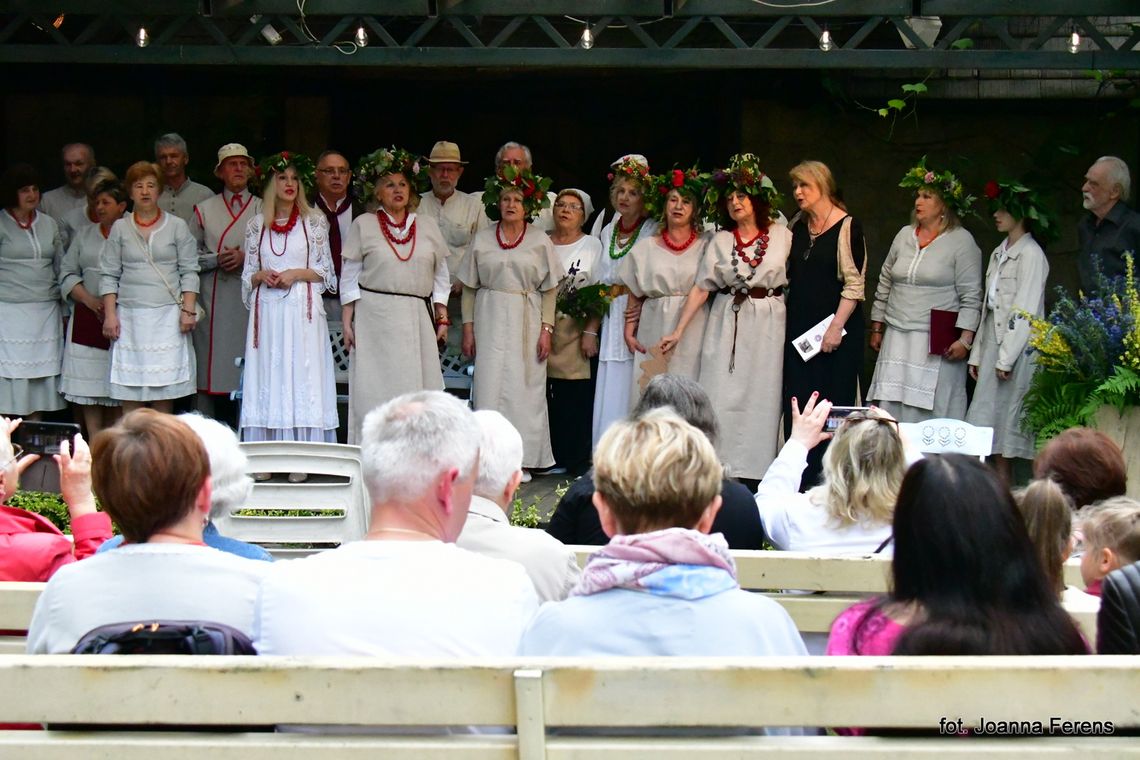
(1015, 287)
(932, 272)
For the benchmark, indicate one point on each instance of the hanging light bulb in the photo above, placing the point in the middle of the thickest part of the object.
(825, 41)
(142, 37)
(361, 36)
(1074, 42)
(587, 40)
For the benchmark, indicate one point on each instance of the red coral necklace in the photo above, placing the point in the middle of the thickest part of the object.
(673, 246)
(286, 228)
(143, 225)
(386, 226)
(24, 225)
(739, 246)
(504, 244)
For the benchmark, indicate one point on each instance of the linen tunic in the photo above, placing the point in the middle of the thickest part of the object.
(219, 339)
(153, 360)
(615, 362)
(509, 378)
(288, 388)
(57, 202)
(31, 328)
(86, 376)
(459, 218)
(1017, 285)
(910, 383)
(663, 278)
(396, 351)
(745, 387)
(181, 202)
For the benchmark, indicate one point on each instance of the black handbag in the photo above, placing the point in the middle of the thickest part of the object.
(165, 637)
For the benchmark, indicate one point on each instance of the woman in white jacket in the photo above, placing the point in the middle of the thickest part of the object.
(1015, 285)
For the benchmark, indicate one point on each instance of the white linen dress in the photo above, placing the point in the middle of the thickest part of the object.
(86, 376)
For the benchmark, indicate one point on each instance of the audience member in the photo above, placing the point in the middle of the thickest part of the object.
(964, 579)
(862, 470)
(152, 475)
(180, 194)
(575, 520)
(78, 158)
(663, 585)
(551, 566)
(406, 589)
(1118, 622)
(1110, 229)
(229, 489)
(1086, 463)
(1048, 515)
(32, 548)
(1110, 539)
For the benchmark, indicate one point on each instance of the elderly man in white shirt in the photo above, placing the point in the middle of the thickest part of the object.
(406, 589)
(78, 159)
(550, 564)
(180, 194)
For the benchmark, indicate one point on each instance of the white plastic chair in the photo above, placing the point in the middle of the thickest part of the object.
(946, 436)
(335, 484)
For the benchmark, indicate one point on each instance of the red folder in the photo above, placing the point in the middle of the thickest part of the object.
(943, 330)
(87, 330)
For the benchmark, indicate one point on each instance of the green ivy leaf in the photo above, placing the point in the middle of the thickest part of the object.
(917, 87)
(896, 104)
(963, 44)
(883, 112)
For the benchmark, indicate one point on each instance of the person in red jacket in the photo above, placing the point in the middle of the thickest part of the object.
(31, 547)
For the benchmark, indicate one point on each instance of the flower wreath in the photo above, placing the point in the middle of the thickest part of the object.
(742, 174)
(1022, 203)
(385, 161)
(279, 162)
(532, 186)
(688, 182)
(630, 166)
(947, 186)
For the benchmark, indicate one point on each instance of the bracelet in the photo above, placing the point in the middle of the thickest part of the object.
(445, 322)
(189, 312)
(587, 332)
(548, 329)
(965, 345)
(879, 331)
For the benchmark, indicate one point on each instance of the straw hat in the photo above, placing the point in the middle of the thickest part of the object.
(231, 150)
(444, 152)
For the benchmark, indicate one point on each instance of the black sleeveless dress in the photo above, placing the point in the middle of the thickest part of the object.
(814, 286)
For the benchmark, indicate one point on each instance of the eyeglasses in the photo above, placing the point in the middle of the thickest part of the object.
(571, 206)
(335, 172)
(17, 452)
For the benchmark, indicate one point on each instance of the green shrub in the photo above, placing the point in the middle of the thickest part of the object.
(50, 505)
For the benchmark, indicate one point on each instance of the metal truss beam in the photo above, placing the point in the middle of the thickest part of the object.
(646, 34)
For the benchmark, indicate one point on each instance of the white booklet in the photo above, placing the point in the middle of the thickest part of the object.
(807, 345)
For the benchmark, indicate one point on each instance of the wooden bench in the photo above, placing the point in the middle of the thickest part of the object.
(116, 697)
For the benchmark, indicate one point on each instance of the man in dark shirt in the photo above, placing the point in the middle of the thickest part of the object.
(1110, 229)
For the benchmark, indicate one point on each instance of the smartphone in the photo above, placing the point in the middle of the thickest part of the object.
(839, 413)
(44, 437)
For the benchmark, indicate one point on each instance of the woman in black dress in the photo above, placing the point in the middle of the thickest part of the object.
(826, 276)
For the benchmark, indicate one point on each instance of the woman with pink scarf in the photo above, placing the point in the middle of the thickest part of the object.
(663, 585)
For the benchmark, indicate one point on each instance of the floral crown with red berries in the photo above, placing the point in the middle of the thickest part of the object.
(631, 166)
(532, 186)
(948, 187)
(1022, 203)
(279, 162)
(385, 161)
(743, 174)
(688, 182)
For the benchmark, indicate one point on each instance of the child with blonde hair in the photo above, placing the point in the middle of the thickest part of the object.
(1110, 530)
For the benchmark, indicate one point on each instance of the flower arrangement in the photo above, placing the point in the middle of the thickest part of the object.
(279, 162)
(689, 182)
(742, 174)
(385, 161)
(631, 166)
(948, 187)
(1022, 203)
(532, 186)
(1088, 356)
(581, 301)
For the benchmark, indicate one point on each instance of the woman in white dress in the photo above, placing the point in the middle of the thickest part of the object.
(288, 389)
(629, 182)
(933, 264)
(745, 266)
(150, 289)
(510, 279)
(31, 329)
(574, 347)
(1015, 285)
(394, 289)
(87, 354)
(659, 272)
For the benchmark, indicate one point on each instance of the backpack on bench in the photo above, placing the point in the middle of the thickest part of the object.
(165, 637)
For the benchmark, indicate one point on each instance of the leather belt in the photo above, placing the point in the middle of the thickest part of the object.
(739, 296)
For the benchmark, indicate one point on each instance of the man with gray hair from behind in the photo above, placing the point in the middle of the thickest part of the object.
(406, 589)
(549, 563)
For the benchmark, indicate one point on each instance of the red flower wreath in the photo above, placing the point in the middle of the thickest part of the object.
(678, 178)
(992, 190)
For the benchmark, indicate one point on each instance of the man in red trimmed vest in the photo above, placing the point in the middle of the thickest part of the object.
(332, 198)
(219, 225)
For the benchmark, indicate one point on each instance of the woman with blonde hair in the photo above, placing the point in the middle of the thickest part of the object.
(1048, 515)
(851, 511)
(288, 389)
(826, 269)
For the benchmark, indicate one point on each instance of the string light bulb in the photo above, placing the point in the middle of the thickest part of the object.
(825, 41)
(361, 36)
(587, 40)
(1074, 42)
(142, 37)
